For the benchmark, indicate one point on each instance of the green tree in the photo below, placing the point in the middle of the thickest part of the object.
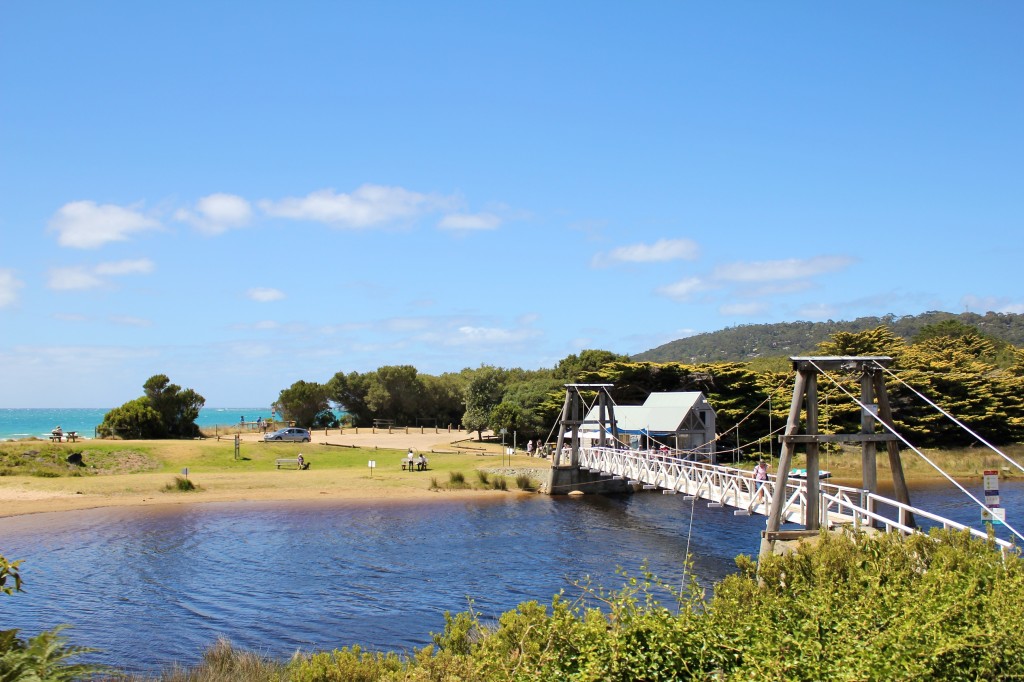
(305, 403)
(570, 368)
(135, 419)
(178, 408)
(483, 393)
(396, 392)
(349, 392)
(165, 411)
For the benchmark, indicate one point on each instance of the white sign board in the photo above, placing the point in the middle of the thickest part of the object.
(995, 515)
(373, 464)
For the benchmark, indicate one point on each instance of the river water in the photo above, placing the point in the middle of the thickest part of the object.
(155, 585)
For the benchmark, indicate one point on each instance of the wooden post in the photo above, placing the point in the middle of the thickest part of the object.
(868, 449)
(556, 457)
(813, 515)
(785, 460)
(899, 481)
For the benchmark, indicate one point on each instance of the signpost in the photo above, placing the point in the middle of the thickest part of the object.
(373, 465)
(993, 512)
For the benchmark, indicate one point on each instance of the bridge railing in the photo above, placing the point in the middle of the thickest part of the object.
(839, 505)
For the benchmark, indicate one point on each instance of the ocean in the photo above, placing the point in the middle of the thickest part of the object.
(17, 422)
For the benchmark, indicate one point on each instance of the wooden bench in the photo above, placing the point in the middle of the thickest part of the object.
(413, 466)
(291, 461)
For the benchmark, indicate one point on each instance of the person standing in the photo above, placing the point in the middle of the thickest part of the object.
(529, 448)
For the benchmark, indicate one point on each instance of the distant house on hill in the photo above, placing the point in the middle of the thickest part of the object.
(681, 420)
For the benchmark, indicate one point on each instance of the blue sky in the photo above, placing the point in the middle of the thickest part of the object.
(243, 194)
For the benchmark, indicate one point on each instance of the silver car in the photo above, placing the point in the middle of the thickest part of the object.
(290, 433)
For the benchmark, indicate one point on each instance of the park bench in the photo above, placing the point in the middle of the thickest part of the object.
(291, 461)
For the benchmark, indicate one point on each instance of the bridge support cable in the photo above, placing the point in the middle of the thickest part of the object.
(954, 419)
(805, 394)
(889, 427)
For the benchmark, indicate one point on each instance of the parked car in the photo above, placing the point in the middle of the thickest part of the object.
(290, 433)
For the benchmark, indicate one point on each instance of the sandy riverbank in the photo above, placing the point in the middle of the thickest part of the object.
(386, 484)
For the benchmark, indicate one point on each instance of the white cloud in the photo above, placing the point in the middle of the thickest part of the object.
(982, 305)
(790, 268)
(86, 225)
(683, 289)
(367, 206)
(80, 277)
(470, 221)
(217, 213)
(139, 266)
(660, 251)
(817, 311)
(9, 285)
(264, 294)
(73, 278)
(489, 336)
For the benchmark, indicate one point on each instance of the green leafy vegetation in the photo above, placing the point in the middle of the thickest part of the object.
(840, 607)
(181, 485)
(746, 342)
(165, 411)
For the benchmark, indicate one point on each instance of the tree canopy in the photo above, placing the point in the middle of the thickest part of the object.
(165, 411)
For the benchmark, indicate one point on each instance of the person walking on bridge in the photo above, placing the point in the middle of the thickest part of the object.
(761, 476)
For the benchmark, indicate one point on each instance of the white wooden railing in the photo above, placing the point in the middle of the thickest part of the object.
(729, 486)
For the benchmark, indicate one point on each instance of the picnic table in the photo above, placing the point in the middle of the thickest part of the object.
(70, 436)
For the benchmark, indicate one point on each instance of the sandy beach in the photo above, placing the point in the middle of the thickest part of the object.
(385, 484)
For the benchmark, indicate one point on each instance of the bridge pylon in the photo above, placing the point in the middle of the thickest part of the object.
(566, 474)
(875, 408)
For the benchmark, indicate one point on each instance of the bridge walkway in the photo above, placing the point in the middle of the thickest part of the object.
(720, 485)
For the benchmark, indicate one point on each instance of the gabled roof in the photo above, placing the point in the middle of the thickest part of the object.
(661, 413)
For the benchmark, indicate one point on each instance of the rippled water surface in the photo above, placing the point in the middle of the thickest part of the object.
(150, 586)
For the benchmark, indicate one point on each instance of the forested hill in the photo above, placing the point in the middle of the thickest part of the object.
(801, 338)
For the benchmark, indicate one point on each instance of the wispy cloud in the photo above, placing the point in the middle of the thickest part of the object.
(81, 277)
(139, 266)
(73, 278)
(9, 286)
(980, 304)
(780, 270)
(817, 311)
(367, 206)
(264, 294)
(87, 225)
(660, 251)
(130, 321)
(488, 336)
(684, 289)
(470, 221)
(217, 213)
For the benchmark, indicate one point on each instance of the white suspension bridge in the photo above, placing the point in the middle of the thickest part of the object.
(809, 502)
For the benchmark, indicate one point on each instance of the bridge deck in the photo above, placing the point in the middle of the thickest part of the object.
(728, 486)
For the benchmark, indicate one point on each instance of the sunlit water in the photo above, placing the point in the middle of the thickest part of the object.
(151, 586)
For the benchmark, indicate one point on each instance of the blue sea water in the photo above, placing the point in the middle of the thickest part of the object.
(17, 422)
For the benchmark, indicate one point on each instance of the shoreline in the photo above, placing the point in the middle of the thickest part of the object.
(24, 494)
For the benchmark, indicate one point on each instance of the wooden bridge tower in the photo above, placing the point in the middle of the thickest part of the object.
(574, 416)
(805, 396)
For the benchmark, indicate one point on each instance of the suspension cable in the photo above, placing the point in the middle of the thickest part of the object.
(920, 454)
(954, 419)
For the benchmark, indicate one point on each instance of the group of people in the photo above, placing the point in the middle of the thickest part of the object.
(412, 462)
